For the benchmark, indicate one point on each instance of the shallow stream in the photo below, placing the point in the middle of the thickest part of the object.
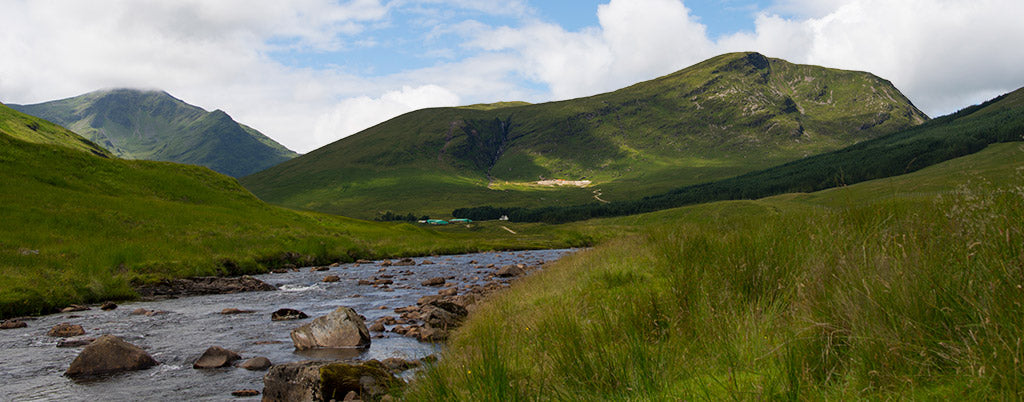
(32, 367)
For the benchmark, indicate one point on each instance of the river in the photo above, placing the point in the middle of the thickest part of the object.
(32, 367)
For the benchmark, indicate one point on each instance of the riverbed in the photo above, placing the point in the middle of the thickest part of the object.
(32, 367)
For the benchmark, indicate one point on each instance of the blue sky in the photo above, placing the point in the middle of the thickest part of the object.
(309, 72)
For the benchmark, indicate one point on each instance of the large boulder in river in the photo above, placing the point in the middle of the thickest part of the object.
(324, 381)
(215, 357)
(341, 328)
(109, 354)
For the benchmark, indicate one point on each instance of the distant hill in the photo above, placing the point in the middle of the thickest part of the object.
(153, 125)
(944, 138)
(720, 118)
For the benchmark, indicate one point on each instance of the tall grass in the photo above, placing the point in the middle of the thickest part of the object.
(907, 297)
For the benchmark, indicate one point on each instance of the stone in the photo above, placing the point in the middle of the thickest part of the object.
(335, 265)
(364, 282)
(397, 365)
(109, 354)
(232, 310)
(433, 282)
(341, 328)
(351, 396)
(108, 305)
(12, 324)
(426, 262)
(74, 343)
(66, 330)
(319, 269)
(324, 381)
(448, 292)
(245, 392)
(404, 262)
(203, 286)
(362, 261)
(383, 282)
(287, 314)
(377, 327)
(509, 271)
(73, 308)
(141, 311)
(256, 364)
(215, 357)
(331, 278)
(431, 334)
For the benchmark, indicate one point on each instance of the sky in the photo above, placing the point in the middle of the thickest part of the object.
(309, 72)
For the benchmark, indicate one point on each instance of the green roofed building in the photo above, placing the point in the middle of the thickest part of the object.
(437, 222)
(460, 220)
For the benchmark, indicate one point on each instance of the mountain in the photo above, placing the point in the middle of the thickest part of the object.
(944, 138)
(725, 116)
(153, 125)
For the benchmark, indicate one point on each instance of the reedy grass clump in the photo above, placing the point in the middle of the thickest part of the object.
(908, 297)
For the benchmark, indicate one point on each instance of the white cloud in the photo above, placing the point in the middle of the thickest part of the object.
(943, 54)
(636, 40)
(356, 114)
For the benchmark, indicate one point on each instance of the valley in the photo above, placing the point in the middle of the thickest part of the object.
(746, 227)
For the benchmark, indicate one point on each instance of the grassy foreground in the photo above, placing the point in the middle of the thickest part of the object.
(908, 287)
(77, 228)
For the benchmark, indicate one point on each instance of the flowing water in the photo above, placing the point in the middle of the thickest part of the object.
(32, 367)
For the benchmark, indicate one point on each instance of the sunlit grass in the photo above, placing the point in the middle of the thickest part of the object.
(911, 295)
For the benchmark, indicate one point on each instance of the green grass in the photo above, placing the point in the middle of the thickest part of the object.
(726, 116)
(900, 288)
(80, 228)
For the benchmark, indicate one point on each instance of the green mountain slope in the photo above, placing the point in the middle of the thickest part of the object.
(153, 125)
(35, 130)
(725, 116)
(947, 137)
(80, 226)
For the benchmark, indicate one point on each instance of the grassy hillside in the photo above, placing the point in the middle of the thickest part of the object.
(720, 118)
(967, 131)
(35, 130)
(153, 125)
(900, 288)
(78, 227)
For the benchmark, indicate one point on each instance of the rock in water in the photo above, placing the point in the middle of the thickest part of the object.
(331, 278)
(74, 343)
(215, 357)
(509, 271)
(65, 330)
(341, 328)
(245, 392)
(324, 381)
(109, 354)
(256, 363)
(287, 314)
(12, 324)
(107, 306)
